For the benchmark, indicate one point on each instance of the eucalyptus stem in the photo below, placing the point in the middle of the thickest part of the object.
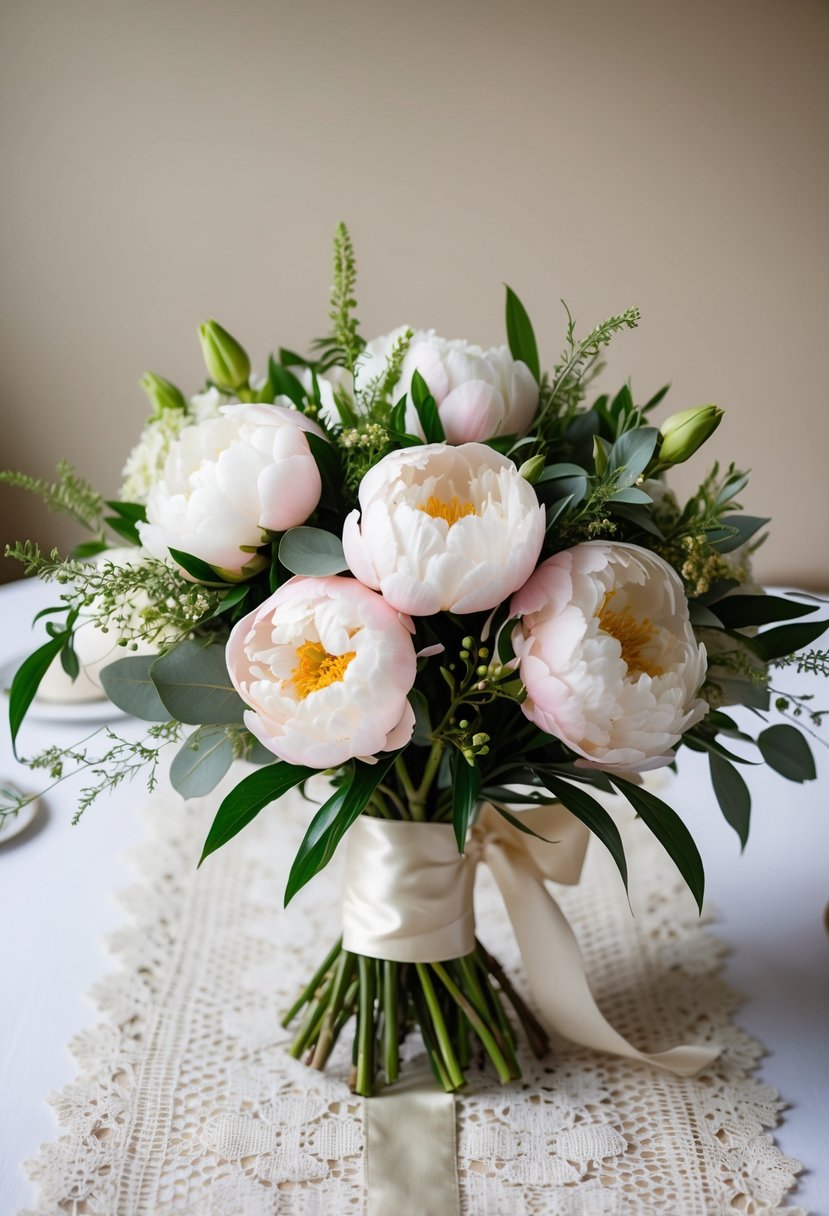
(391, 1021)
(537, 1036)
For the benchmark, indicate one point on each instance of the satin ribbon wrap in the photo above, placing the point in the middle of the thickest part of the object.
(408, 896)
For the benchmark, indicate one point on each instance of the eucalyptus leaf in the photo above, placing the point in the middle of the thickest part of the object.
(631, 494)
(128, 684)
(202, 761)
(312, 551)
(193, 684)
(735, 531)
(786, 750)
(631, 454)
(732, 794)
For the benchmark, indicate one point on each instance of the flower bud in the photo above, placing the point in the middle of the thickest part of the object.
(532, 469)
(686, 431)
(228, 365)
(162, 394)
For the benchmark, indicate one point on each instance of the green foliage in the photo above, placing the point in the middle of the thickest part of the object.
(520, 335)
(343, 345)
(670, 831)
(28, 677)
(247, 799)
(203, 760)
(312, 551)
(68, 494)
(194, 686)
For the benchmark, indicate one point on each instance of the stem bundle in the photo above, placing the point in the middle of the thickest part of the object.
(459, 1007)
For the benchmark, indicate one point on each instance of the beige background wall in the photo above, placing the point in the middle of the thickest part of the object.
(167, 161)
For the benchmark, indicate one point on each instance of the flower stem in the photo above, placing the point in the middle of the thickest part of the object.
(325, 1039)
(365, 1030)
(537, 1036)
(476, 1020)
(313, 984)
(447, 1051)
(391, 1015)
(417, 804)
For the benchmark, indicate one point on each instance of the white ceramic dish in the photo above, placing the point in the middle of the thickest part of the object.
(13, 825)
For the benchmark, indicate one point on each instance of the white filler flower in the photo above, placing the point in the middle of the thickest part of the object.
(444, 528)
(229, 481)
(607, 655)
(326, 665)
(479, 393)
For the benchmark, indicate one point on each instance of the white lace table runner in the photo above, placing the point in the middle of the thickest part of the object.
(187, 1103)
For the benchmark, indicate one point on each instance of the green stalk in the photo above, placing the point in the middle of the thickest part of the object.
(325, 1040)
(365, 1030)
(477, 1022)
(429, 1041)
(311, 1022)
(312, 985)
(537, 1036)
(418, 803)
(453, 1069)
(391, 1014)
(507, 1036)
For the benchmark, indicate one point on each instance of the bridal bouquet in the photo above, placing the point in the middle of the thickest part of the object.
(458, 585)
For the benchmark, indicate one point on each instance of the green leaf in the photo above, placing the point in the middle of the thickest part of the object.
(631, 454)
(785, 750)
(128, 685)
(520, 335)
(202, 761)
(123, 528)
(557, 488)
(285, 384)
(735, 531)
(333, 820)
(27, 681)
(639, 517)
(328, 463)
(427, 410)
(193, 683)
(786, 639)
(732, 794)
(593, 815)
(699, 742)
(631, 494)
(134, 512)
(246, 800)
(69, 661)
(422, 734)
(737, 611)
(518, 823)
(563, 469)
(466, 788)
(89, 548)
(312, 551)
(670, 831)
(199, 569)
(234, 597)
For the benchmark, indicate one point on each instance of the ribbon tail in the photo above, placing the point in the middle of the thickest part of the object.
(555, 971)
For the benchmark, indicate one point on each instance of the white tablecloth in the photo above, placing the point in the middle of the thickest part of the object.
(56, 903)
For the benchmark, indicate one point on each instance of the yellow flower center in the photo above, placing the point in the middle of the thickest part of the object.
(450, 511)
(316, 668)
(633, 635)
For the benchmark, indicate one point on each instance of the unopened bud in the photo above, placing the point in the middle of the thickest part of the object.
(162, 394)
(228, 365)
(685, 432)
(532, 469)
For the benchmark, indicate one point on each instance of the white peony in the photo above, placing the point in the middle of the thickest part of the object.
(230, 481)
(145, 463)
(479, 393)
(444, 528)
(326, 666)
(608, 656)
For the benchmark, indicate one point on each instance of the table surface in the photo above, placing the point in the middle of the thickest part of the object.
(57, 888)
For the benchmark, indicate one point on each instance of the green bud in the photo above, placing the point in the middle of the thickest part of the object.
(532, 469)
(480, 739)
(162, 394)
(228, 365)
(483, 653)
(482, 670)
(686, 431)
(468, 643)
(463, 724)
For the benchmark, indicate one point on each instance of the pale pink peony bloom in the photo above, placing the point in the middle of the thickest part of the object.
(326, 666)
(479, 393)
(444, 528)
(231, 480)
(608, 656)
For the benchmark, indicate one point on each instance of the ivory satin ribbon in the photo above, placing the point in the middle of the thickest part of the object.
(408, 896)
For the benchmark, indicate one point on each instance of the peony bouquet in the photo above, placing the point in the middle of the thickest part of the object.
(460, 587)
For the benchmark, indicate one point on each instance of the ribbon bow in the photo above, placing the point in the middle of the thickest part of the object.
(552, 960)
(408, 896)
